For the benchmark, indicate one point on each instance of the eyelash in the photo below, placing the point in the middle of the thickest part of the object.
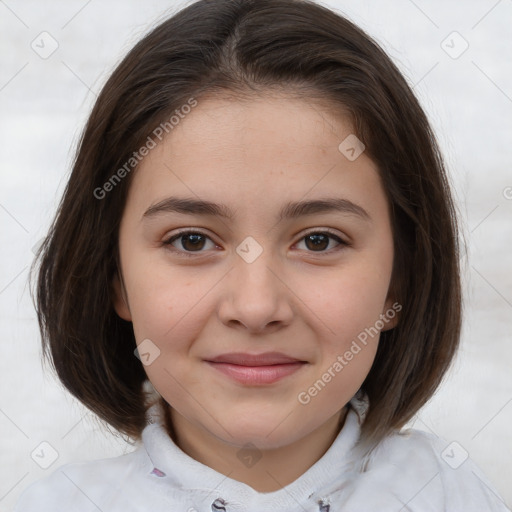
(189, 254)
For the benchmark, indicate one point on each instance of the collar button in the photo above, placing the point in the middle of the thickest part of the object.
(219, 505)
(323, 506)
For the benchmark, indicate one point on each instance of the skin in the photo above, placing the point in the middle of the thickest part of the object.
(306, 302)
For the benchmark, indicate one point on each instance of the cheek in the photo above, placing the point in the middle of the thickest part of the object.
(345, 300)
(168, 311)
(346, 313)
(170, 305)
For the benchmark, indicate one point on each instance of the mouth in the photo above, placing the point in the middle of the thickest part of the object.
(256, 369)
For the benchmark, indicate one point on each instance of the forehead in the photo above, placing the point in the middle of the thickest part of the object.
(256, 151)
(284, 125)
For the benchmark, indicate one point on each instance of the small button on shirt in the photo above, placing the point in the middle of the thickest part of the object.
(410, 471)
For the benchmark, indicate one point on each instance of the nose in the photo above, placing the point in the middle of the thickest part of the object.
(256, 296)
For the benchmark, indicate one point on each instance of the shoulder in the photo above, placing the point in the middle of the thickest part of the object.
(85, 486)
(423, 472)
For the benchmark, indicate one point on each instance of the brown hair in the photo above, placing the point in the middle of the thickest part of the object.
(245, 47)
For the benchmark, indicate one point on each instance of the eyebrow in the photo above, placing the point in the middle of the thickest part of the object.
(292, 210)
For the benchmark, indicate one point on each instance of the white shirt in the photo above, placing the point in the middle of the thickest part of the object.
(407, 473)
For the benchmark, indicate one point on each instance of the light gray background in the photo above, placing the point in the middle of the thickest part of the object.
(45, 102)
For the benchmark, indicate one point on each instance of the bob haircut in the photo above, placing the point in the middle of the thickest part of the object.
(238, 49)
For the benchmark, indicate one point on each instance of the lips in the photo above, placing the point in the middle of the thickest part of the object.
(265, 359)
(256, 369)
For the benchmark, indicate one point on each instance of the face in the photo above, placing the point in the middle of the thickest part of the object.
(251, 324)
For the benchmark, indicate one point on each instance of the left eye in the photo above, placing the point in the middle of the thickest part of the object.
(194, 241)
(320, 240)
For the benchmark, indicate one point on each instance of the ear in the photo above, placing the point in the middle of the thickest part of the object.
(390, 313)
(120, 299)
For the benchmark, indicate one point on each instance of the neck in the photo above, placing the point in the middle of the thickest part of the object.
(274, 469)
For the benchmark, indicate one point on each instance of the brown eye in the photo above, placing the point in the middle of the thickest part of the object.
(318, 241)
(191, 242)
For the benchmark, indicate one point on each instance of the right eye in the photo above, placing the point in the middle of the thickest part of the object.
(191, 242)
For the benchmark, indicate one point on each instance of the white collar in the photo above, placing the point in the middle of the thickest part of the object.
(181, 471)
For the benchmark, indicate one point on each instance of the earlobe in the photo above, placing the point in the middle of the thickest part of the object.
(120, 299)
(390, 314)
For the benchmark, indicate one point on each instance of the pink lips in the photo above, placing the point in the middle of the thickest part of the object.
(256, 369)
